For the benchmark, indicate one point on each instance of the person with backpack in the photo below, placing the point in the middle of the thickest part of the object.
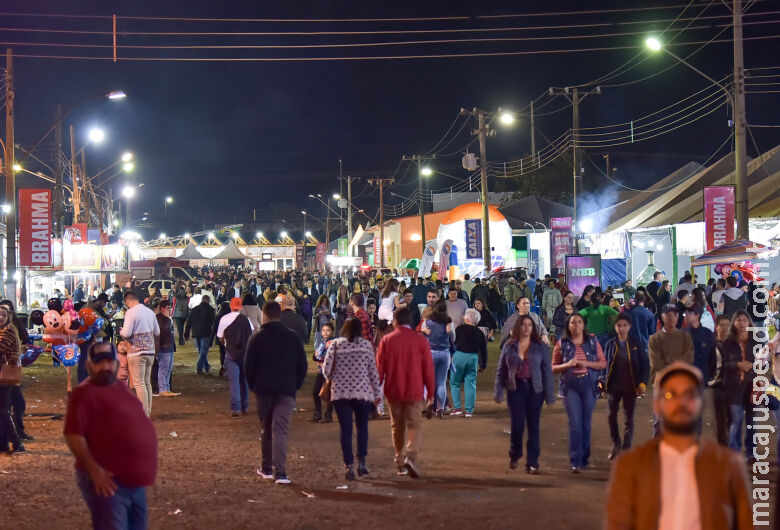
(233, 332)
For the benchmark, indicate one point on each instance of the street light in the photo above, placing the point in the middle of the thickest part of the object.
(258, 235)
(96, 135)
(17, 168)
(187, 235)
(116, 94)
(736, 101)
(308, 234)
(211, 235)
(426, 171)
(127, 167)
(337, 196)
(162, 236)
(234, 235)
(507, 118)
(127, 156)
(128, 192)
(168, 200)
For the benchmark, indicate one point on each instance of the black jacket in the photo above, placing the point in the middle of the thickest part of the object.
(236, 337)
(294, 322)
(275, 362)
(164, 342)
(200, 321)
(736, 386)
(638, 362)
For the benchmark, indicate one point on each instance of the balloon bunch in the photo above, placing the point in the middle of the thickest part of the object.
(741, 270)
(65, 329)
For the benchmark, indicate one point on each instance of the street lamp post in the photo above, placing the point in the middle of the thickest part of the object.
(304, 239)
(736, 102)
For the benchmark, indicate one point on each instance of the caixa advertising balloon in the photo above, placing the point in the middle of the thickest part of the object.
(463, 225)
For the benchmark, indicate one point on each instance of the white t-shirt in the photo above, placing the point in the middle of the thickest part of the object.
(387, 307)
(679, 490)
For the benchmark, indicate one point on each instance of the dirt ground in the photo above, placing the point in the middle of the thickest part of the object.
(207, 467)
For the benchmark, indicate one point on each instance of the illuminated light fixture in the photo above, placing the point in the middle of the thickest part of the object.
(127, 157)
(659, 246)
(415, 237)
(211, 235)
(639, 244)
(128, 192)
(128, 167)
(336, 196)
(187, 235)
(308, 234)
(586, 225)
(169, 200)
(234, 235)
(6, 208)
(259, 235)
(283, 235)
(96, 135)
(17, 167)
(426, 171)
(388, 242)
(162, 236)
(507, 118)
(116, 222)
(653, 44)
(116, 94)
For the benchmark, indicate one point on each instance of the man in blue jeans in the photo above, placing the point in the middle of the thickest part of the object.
(114, 443)
(201, 322)
(234, 331)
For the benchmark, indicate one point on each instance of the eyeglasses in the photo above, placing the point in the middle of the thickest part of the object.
(689, 395)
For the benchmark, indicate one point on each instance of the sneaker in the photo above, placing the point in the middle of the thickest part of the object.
(575, 469)
(411, 468)
(26, 437)
(362, 470)
(468, 415)
(168, 393)
(457, 412)
(402, 472)
(614, 452)
(532, 470)
(513, 464)
(281, 478)
(235, 414)
(18, 449)
(266, 474)
(156, 395)
(316, 417)
(439, 413)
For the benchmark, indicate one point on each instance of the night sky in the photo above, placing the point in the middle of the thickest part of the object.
(227, 138)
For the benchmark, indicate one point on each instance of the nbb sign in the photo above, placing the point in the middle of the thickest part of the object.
(34, 228)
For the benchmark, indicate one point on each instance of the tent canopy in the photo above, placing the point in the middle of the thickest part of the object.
(191, 252)
(231, 251)
(737, 250)
(533, 209)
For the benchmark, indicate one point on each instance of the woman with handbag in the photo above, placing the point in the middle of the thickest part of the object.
(350, 369)
(18, 403)
(578, 357)
(10, 376)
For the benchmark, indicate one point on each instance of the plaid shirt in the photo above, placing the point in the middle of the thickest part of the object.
(366, 324)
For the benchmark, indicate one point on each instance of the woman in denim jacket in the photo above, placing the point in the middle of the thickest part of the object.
(578, 357)
(525, 373)
(437, 327)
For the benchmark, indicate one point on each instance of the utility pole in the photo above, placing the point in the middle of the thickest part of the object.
(10, 181)
(304, 239)
(58, 199)
(74, 177)
(575, 100)
(609, 172)
(740, 128)
(381, 182)
(420, 196)
(533, 134)
(84, 182)
(483, 165)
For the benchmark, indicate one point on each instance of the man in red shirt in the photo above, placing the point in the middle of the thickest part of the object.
(114, 443)
(405, 366)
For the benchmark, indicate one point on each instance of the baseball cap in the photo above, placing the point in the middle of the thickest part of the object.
(669, 307)
(677, 367)
(102, 355)
(235, 303)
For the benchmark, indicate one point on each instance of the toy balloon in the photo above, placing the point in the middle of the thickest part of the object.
(31, 355)
(36, 317)
(88, 317)
(718, 268)
(67, 354)
(54, 304)
(52, 322)
(36, 336)
(737, 274)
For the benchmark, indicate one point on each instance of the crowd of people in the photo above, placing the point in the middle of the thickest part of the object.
(408, 347)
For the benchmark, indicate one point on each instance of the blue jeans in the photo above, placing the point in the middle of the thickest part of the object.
(738, 413)
(202, 345)
(441, 364)
(510, 308)
(239, 390)
(164, 369)
(125, 509)
(362, 409)
(525, 408)
(579, 402)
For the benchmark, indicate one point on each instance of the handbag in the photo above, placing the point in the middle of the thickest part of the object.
(326, 392)
(11, 375)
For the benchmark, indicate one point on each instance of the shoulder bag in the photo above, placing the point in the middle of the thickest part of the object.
(10, 375)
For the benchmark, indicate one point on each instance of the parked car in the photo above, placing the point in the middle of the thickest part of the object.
(165, 286)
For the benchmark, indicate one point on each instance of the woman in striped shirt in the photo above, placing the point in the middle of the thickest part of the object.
(9, 354)
(578, 357)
